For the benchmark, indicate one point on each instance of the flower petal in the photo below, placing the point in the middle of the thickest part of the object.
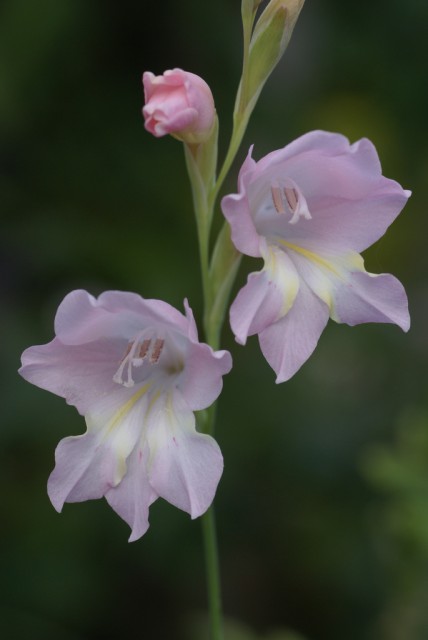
(201, 381)
(353, 295)
(132, 497)
(84, 470)
(81, 318)
(367, 297)
(87, 466)
(236, 210)
(353, 224)
(80, 374)
(266, 297)
(350, 203)
(289, 342)
(185, 466)
(327, 143)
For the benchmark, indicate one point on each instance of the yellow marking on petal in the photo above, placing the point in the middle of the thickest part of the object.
(153, 400)
(288, 285)
(310, 255)
(126, 408)
(351, 261)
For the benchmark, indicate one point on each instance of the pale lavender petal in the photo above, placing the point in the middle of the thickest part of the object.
(87, 466)
(85, 469)
(82, 318)
(353, 295)
(185, 466)
(366, 297)
(257, 305)
(353, 224)
(266, 297)
(289, 342)
(192, 329)
(80, 374)
(351, 175)
(201, 381)
(149, 309)
(325, 142)
(351, 204)
(236, 210)
(133, 495)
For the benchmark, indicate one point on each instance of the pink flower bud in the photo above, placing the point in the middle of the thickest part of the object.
(180, 103)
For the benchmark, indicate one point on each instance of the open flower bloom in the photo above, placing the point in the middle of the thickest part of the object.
(180, 103)
(136, 370)
(308, 210)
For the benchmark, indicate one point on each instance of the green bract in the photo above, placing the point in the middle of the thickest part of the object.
(269, 40)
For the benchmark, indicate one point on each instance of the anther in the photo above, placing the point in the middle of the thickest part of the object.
(143, 349)
(277, 199)
(157, 350)
(291, 197)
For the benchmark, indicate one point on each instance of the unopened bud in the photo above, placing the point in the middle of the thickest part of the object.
(179, 103)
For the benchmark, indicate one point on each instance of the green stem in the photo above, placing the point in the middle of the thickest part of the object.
(213, 574)
(241, 113)
(204, 201)
(203, 215)
(236, 139)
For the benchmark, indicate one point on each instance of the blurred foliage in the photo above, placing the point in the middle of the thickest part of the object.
(399, 470)
(233, 630)
(310, 539)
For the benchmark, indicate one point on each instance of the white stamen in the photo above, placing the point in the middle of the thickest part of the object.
(135, 355)
(290, 199)
(142, 353)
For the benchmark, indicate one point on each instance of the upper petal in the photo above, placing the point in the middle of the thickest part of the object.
(350, 203)
(185, 466)
(325, 142)
(80, 374)
(82, 318)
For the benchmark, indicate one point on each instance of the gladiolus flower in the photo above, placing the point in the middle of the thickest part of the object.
(180, 103)
(308, 210)
(136, 370)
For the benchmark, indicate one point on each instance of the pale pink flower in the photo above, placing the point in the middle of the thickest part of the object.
(308, 210)
(136, 370)
(180, 103)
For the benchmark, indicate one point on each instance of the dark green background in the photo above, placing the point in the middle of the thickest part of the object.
(323, 506)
